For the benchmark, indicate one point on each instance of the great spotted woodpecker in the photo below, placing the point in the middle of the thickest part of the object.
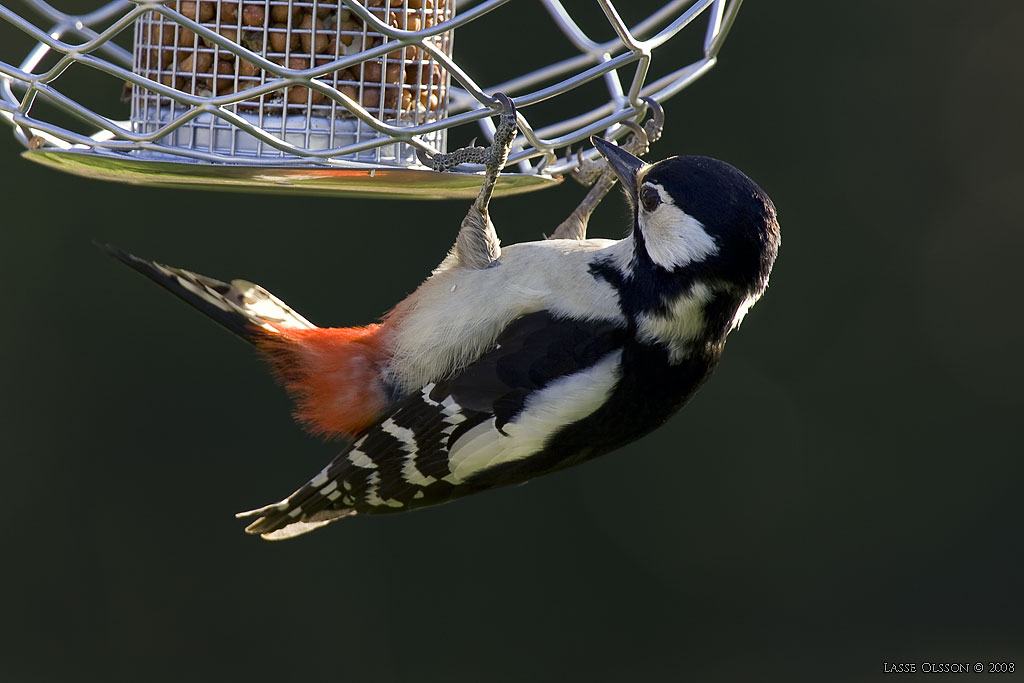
(508, 363)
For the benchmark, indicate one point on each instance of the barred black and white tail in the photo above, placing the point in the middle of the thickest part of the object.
(400, 463)
(246, 309)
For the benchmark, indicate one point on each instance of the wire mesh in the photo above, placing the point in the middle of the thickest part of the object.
(404, 87)
(343, 83)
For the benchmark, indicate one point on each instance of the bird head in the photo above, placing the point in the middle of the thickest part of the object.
(701, 229)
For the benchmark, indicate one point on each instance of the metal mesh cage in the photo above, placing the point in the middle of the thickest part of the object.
(404, 87)
(328, 94)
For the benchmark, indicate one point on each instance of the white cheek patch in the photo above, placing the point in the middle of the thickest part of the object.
(674, 238)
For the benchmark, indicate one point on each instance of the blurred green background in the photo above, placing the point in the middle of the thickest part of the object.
(845, 492)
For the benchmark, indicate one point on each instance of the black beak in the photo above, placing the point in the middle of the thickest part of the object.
(622, 162)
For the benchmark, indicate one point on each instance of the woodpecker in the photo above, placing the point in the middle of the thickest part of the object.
(509, 363)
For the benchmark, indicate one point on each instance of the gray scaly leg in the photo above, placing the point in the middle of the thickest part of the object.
(477, 245)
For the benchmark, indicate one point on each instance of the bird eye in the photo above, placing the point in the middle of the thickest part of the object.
(649, 198)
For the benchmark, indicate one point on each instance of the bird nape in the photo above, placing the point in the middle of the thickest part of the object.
(508, 363)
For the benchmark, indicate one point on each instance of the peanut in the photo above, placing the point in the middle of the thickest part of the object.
(349, 91)
(224, 82)
(277, 38)
(200, 62)
(186, 37)
(197, 11)
(232, 33)
(247, 69)
(315, 41)
(280, 13)
(429, 100)
(390, 98)
(425, 74)
(371, 72)
(171, 81)
(160, 36)
(349, 31)
(371, 97)
(300, 94)
(229, 13)
(254, 15)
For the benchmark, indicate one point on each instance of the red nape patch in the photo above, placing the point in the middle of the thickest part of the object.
(333, 374)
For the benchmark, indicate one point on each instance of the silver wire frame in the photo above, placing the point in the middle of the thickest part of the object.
(88, 40)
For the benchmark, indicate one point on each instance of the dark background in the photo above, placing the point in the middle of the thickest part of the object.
(845, 492)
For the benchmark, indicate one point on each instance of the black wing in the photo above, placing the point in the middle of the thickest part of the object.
(430, 447)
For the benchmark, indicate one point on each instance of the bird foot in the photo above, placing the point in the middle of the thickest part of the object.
(600, 179)
(587, 172)
(477, 245)
(493, 157)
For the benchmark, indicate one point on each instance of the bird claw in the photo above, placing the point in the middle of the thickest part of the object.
(656, 124)
(640, 142)
(425, 159)
(599, 178)
(586, 172)
(492, 157)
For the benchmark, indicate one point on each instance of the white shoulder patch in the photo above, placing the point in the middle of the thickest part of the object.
(564, 401)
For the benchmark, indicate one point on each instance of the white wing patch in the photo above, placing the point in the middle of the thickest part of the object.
(360, 459)
(425, 393)
(564, 401)
(408, 440)
(373, 498)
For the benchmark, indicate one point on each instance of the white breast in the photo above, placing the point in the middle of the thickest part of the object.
(457, 314)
